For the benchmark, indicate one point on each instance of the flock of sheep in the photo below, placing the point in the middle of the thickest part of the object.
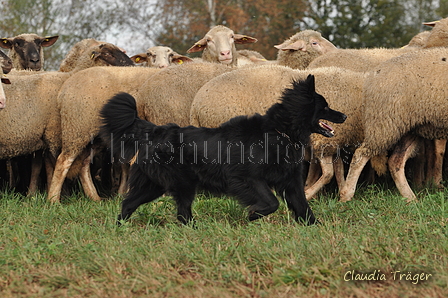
(394, 100)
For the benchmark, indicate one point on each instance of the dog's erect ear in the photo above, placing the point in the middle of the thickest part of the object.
(310, 82)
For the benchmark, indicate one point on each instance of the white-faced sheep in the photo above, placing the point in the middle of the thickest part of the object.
(401, 95)
(253, 89)
(218, 45)
(32, 108)
(160, 57)
(303, 47)
(25, 50)
(164, 97)
(368, 58)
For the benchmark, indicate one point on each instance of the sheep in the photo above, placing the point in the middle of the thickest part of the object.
(25, 50)
(302, 48)
(164, 97)
(90, 52)
(253, 89)
(404, 94)
(160, 56)
(80, 99)
(366, 59)
(218, 45)
(5, 63)
(33, 107)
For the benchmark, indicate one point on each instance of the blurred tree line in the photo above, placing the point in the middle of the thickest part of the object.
(136, 25)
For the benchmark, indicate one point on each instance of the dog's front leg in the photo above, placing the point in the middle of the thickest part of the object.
(294, 196)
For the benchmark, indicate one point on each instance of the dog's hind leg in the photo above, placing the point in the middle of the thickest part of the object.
(294, 195)
(141, 191)
(258, 196)
(184, 199)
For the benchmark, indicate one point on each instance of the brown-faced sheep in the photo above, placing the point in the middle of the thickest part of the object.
(25, 50)
(80, 99)
(401, 95)
(5, 63)
(218, 45)
(156, 102)
(32, 108)
(160, 57)
(253, 89)
(91, 52)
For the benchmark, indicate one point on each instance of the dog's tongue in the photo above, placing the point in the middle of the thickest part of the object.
(326, 127)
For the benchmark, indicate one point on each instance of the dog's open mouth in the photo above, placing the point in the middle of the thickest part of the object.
(327, 127)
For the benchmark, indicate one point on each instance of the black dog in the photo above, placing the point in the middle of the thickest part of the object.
(245, 157)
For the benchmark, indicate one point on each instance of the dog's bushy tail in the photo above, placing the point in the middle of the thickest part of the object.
(119, 125)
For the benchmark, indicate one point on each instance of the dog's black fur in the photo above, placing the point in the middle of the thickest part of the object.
(245, 157)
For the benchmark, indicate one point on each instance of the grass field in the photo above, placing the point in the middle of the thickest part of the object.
(75, 249)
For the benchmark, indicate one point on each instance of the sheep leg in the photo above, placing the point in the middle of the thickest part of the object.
(357, 164)
(326, 164)
(397, 161)
(122, 189)
(436, 168)
(50, 162)
(339, 172)
(36, 167)
(63, 164)
(313, 175)
(86, 178)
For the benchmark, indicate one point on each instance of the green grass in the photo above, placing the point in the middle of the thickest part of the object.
(74, 249)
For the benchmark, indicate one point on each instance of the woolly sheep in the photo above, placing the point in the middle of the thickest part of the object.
(366, 59)
(303, 47)
(218, 45)
(90, 52)
(32, 108)
(254, 89)
(80, 99)
(160, 57)
(164, 97)
(25, 50)
(401, 94)
(6, 65)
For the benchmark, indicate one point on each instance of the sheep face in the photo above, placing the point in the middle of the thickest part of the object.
(26, 50)
(219, 45)
(303, 47)
(111, 55)
(160, 57)
(5, 63)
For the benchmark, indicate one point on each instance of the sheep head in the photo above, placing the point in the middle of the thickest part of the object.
(299, 50)
(5, 63)
(218, 45)
(25, 50)
(160, 57)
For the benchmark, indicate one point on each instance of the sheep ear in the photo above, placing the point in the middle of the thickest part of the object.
(296, 46)
(242, 39)
(94, 55)
(327, 46)
(430, 24)
(49, 40)
(5, 80)
(6, 43)
(199, 46)
(140, 58)
(179, 59)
